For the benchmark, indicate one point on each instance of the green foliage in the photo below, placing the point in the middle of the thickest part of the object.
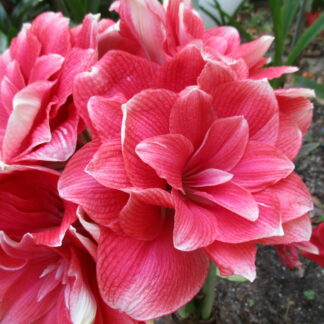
(301, 82)
(310, 294)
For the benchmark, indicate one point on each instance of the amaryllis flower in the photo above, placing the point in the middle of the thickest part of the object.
(182, 176)
(174, 25)
(38, 119)
(46, 273)
(317, 239)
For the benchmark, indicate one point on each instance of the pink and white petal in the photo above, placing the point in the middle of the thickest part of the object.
(141, 16)
(234, 259)
(58, 42)
(230, 34)
(157, 278)
(182, 70)
(215, 74)
(140, 220)
(223, 146)
(107, 165)
(116, 72)
(295, 231)
(295, 199)
(232, 197)
(54, 237)
(254, 100)
(8, 91)
(235, 229)
(207, 178)
(195, 226)
(272, 72)
(269, 133)
(290, 136)
(294, 103)
(25, 49)
(253, 51)
(103, 205)
(192, 115)
(87, 36)
(167, 155)
(144, 116)
(262, 165)
(27, 104)
(45, 66)
(106, 111)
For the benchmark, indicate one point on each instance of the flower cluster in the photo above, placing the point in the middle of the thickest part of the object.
(132, 155)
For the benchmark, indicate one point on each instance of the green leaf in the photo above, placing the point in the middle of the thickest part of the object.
(3, 42)
(208, 290)
(307, 149)
(310, 294)
(302, 82)
(289, 11)
(310, 33)
(187, 310)
(234, 278)
(277, 17)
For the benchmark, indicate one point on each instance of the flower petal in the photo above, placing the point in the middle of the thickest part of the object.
(156, 280)
(192, 115)
(194, 225)
(167, 155)
(261, 166)
(145, 115)
(234, 259)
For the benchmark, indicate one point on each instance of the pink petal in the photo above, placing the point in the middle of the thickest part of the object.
(167, 155)
(116, 72)
(223, 146)
(296, 230)
(253, 51)
(103, 205)
(294, 103)
(261, 166)
(192, 115)
(227, 33)
(107, 165)
(272, 72)
(235, 229)
(25, 49)
(45, 67)
(144, 116)
(295, 199)
(234, 259)
(26, 106)
(156, 280)
(182, 70)
(232, 197)
(87, 37)
(215, 74)
(194, 225)
(207, 178)
(241, 98)
(58, 42)
(290, 136)
(140, 220)
(103, 112)
(141, 16)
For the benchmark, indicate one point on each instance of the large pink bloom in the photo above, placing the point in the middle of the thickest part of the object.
(193, 165)
(174, 25)
(46, 273)
(38, 119)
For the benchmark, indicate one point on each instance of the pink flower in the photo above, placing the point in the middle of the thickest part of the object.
(46, 272)
(317, 239)
(38, 119)
(187, 163)
(175, 25)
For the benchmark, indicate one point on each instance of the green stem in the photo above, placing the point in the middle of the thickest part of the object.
(208, 290)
